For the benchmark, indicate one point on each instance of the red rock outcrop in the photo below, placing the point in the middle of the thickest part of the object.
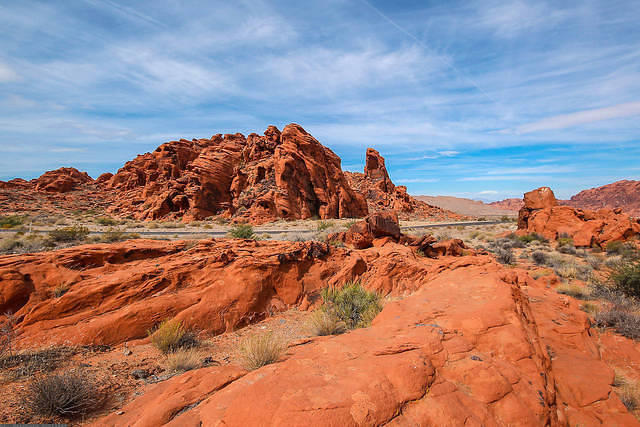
(61, 180)
(382, 195)
(467, 341)
(623, 194)
(257, 179)
(542, 214)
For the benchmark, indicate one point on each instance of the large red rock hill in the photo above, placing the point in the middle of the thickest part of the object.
(258, 178)
(621, 194)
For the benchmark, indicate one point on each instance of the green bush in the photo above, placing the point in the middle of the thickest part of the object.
(105, 220)
(69, 234)
(242, 231)
(10, 221)
(528, 238)
(625, 277)
(626, 250)
(565, 241)
(352, 304)
(323, 225)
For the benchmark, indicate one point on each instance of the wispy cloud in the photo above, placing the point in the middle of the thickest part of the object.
(563, 121)
(7, 74)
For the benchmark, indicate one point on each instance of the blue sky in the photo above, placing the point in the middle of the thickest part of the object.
(482, 99)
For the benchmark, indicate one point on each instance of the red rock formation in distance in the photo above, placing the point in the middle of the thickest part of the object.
(382, 195)
(623, 194)
(256, 179)
(542, 214)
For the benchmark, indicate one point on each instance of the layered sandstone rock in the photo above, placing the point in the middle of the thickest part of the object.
(508, 204)
(464, 340)
(382, 195)
(257, 179)
(542, 214)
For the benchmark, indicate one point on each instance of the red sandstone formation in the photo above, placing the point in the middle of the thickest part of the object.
(542, 214)
(463, 341)
(621, 194)
(61, 180)
(508, 204)
(382, 195)
(258, 179)
(384, 226)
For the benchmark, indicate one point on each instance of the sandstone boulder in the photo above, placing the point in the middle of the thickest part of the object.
(541, 214)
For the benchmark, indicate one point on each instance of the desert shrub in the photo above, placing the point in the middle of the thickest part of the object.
(539, 258)
(10, 221)
(629, 393)
(323, 225)
(594, 261)
(336, 243)
(625, 250)
(481, 219)
(260, 350)
(70, 395)
(107, 221)
(323, 322)
(505, 256)
(567, 249)
(242, 231)
(9, 245)
(625, 277)
(7, 334)
(60, 290)
(171, 335)
(575, 291)
(590, 308)
(621, 319)
(69, 234)
(116, 235)
(474, 234)
(352, 304)
(183, 360)
(528, 238)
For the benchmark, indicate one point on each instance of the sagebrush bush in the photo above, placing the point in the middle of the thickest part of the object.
(323, 322)
(183, 360)
(539, 257)
(242, 231)
(260, 350)
(69, 395)
(625, 250)
(505, 256)
(352, 304)
(171, 335)
(69, 234)
(622, 320)
(528, 238)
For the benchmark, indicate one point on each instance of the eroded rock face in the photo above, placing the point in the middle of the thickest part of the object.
(61, 180)
(382, 195)
(256, 179)
(542, 214)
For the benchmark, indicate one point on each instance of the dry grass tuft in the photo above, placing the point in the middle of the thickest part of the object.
(69, 394)
(171, 336)
(579, 292)
(260, 350)
(324, 323)
(183, 360)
